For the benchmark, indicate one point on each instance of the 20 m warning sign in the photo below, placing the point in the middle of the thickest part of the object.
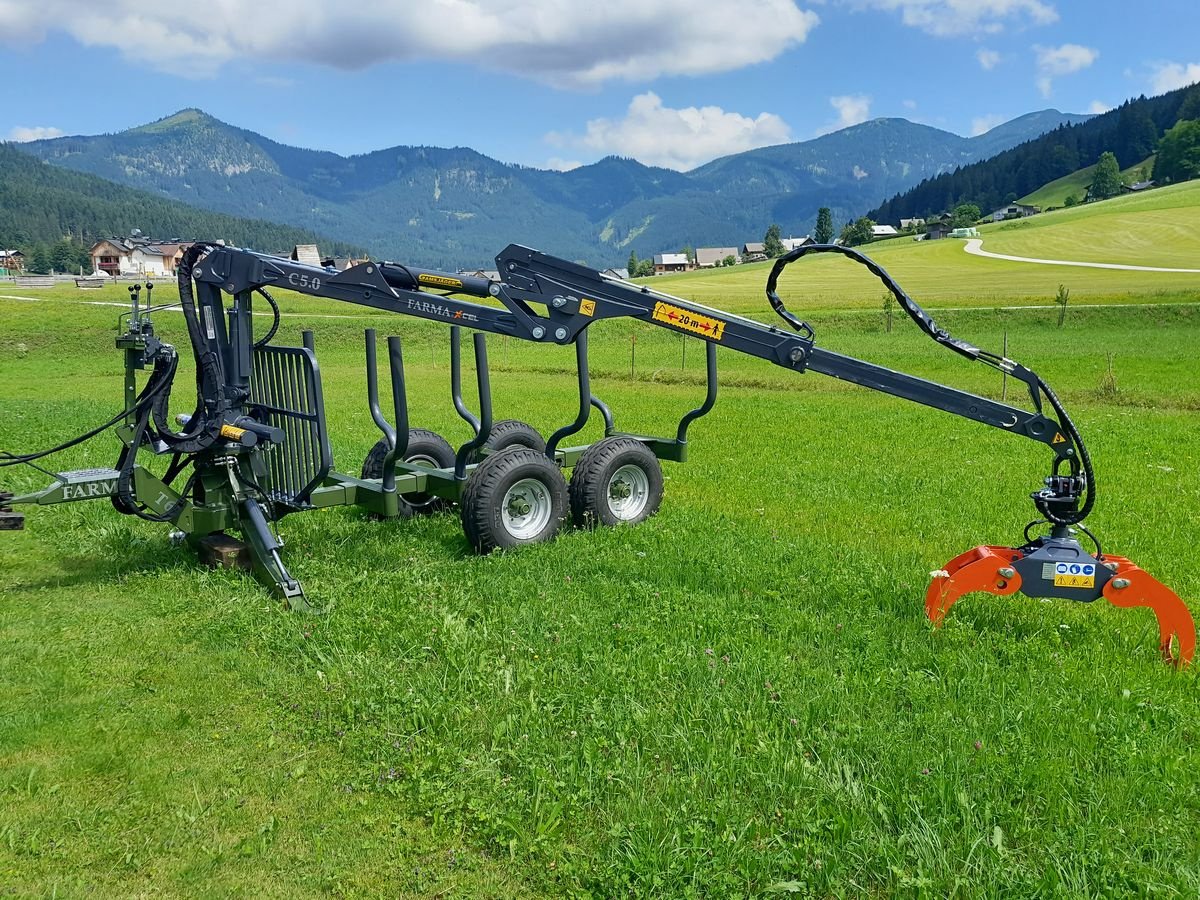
(677, 316)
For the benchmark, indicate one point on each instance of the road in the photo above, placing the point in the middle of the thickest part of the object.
(974, 246)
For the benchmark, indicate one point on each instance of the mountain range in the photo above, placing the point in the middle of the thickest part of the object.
(451, 207)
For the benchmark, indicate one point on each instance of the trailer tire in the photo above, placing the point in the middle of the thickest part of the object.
(514, 433)
(617, 480)
(513, 498)
(425, 448)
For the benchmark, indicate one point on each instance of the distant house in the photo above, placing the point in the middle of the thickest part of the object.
(622, 274)
(754, 250)
(158, 259)
(307, 254)
(791, 243)
(137, 256)
(1137, 186)
(937, 230)
(882, 231)
(911, 224)
(707, 257)
(671, 262)
(12, 261)
(1014, 211)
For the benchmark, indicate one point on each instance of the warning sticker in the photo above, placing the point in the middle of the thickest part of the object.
(1074, 575)
(689, 321)
(1058, 438)
(439, 280)
(587, 307)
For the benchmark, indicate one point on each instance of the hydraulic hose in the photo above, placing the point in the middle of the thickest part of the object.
(1081, 465)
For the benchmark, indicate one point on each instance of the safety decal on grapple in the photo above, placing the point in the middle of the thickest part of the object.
(689, 321)
(587, 307)
(1074, 575)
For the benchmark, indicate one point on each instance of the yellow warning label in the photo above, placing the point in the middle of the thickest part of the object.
(1075, 581)
(587, 307)
(439, 280)
(1058, 438)
(689, 321)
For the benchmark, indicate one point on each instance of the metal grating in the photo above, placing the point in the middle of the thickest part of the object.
(285, 392)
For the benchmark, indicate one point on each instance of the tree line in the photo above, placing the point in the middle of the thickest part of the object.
(1131, 133)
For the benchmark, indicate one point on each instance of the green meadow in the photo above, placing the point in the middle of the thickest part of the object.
(739, 698)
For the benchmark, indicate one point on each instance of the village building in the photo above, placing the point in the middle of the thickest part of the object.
(707, 257)
(621, 274)
(937, 230)
(793, 243)
(911, 224)
(136, 256)
(1014, 211)
(883, 231)
(12, 262)
(671, 262)
(307, 254)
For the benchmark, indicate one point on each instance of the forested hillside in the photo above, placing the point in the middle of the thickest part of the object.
(42, 204)
(1131, 132)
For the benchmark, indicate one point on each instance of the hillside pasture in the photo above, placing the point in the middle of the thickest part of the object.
(1158, 228)
(1055, 193)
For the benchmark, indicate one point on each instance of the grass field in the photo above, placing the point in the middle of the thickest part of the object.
(1159, 228)
(740, 697)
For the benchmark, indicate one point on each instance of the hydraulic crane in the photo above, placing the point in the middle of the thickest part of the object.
(257, 447)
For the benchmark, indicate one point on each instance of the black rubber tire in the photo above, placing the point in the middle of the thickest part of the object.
(513, 433)
(589, 491)
(426, 448)
(483, 518)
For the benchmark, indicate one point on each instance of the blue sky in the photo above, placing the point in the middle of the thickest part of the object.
(552, 83)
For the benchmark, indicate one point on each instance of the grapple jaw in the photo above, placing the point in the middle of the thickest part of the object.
(1057, 566)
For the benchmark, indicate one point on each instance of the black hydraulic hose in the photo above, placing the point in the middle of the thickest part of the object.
(210, 382)
(1084, 465)
(266, 338)
(144, 401)
(1080, 464)
(908, 304)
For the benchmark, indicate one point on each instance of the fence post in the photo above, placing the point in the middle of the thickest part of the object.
(1003, 374)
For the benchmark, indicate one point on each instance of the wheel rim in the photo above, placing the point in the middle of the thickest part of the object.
(628, 492)
(421, 501)
(526, 509)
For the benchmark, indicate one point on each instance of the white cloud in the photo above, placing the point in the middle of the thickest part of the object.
(984, 124)
(676, 138)
(988, 59)
(23, 133)
(1064, 60)
(557, 164)
(1172, 75)
(851, 108)
(946, 18)
(555, 41)
(1098, 107)
(910, 104)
